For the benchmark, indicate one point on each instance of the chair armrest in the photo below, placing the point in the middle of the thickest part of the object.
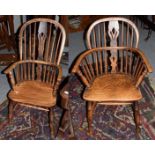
(34, 70)
(11, 67)
(148, 65)
(148, 68)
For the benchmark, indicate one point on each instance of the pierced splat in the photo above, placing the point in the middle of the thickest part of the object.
(113, 64)
(42, 35)
(113, 31)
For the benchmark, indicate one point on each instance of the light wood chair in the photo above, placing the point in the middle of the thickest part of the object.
(36, 76)
(113, 71)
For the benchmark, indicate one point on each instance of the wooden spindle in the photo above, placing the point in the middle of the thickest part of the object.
(51, 75)
(57, 83)
(89, 63)
(32, 71)
(96, 63)
(39, 72)
(131, 37)
(138, 68)
(94, 38)
(99, 37)
(30, 44)
(34, 42)
(135, 67)
(47, 49)
(105, 61)
(141, 78)
(140, 71)
(29, 51)
(85, 81)
(25, 51)
(53, 44)
(25, 42)
(18, 73)
(101, 63)
(122, 60)
(127, 36)
(54, 77)
(21, 71)
(86, 70)
(33, 50)
(126, 64)
(122, 34)
(104, 32)
(130, 63)
(48, 74)
(57, 48)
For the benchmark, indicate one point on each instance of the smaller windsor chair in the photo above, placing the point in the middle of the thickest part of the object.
(36, 76)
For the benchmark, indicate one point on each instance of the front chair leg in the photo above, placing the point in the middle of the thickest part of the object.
(137, 119)
(51, 123)
(90, 109)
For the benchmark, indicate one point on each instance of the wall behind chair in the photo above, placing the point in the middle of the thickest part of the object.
(18, 20)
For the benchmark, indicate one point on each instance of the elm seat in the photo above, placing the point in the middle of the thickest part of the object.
(34, 93)
(113, 87)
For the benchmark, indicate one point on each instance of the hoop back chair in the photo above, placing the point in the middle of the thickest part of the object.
(112, 31)
(36, 76)
(112, 73)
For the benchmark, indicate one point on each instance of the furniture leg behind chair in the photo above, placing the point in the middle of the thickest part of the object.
(51, 123)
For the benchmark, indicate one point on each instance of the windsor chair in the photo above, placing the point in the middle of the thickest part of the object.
(113, 67)
(36, 76)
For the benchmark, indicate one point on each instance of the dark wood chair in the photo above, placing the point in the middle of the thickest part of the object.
(7, 37)
(114, 68)
(36, 76)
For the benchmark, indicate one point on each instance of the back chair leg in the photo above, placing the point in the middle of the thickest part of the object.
(90, 110)
(10, 110)
(137, 119)
(51, 123)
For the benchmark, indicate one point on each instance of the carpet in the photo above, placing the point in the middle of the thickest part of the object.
(109, 122)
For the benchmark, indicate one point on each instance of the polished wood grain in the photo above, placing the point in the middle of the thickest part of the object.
(34, 93)
(36, 77)
(112, 87)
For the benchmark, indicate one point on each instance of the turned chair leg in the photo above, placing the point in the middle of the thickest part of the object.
(137, 119)
(51, 123)
(71, 128)
(90, 109)
(10, 111)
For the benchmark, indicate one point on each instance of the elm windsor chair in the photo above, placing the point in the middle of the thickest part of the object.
(114, 68)
(36, 76)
